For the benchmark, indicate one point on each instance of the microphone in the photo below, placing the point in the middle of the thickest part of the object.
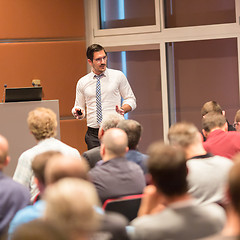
(4, 90)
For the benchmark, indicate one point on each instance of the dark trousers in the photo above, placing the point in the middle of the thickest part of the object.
(91, 138)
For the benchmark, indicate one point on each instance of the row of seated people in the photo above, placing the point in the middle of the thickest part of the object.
(118, 177)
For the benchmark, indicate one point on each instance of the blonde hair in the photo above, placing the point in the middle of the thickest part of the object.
(70, 202)
(183, 134)
(42, 123)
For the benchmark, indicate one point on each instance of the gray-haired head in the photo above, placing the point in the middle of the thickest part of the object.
(109, 121)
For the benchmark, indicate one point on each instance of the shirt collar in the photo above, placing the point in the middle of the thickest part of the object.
(208, 155)
(102, 74)
(184, 203)
(216, 132)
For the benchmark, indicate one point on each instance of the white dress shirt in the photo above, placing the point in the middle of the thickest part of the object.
(114, 85)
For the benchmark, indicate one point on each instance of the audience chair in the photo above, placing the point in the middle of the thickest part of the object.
(127, 205)
(36, 198)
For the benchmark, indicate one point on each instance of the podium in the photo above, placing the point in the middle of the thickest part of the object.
(13, 126)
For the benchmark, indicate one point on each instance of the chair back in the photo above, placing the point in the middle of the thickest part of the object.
(127, 205)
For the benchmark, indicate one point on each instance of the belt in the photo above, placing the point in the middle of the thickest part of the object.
(93, 130)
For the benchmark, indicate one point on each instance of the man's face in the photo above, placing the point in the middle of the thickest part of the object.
(99, 62)
(237, 126)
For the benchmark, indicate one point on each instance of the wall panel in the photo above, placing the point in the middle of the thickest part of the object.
(58, 65)
(41, 19)
(73, 133)
(45, 39)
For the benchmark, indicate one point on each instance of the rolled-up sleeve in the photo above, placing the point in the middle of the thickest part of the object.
(127, 93)
(79, 100)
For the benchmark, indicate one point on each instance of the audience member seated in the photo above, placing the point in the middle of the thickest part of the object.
(133, 129)
(231, 229)
(117, 176)
(182, 218)
(109, 121)
(39, 230)
(213, 106)
(207, 174)
(64, 166)
(36, 210)
(219, 140)
(70, 204)
(13, 196)
(59, 167)
(237, 121)
(112, 225)
(74, 204)
(42, 123)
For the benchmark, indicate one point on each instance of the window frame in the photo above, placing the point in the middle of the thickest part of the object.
(156, 37)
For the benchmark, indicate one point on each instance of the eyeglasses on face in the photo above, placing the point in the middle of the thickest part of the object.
(235, 124)
(101, 58)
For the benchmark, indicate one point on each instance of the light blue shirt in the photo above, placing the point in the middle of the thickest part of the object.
(25, 215)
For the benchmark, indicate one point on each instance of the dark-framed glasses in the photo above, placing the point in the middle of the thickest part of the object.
(235, 124)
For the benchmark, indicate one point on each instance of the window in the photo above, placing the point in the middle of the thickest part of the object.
(120, 13)
(198, 12)
(201, 71)
(142, 69)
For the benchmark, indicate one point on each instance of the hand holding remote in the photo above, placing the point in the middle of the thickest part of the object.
(78, 113)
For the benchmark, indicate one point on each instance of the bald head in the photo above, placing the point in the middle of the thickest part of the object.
(65, 166)
(114, 143)
(3, 151)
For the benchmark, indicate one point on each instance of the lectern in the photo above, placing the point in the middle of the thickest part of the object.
(13, 126)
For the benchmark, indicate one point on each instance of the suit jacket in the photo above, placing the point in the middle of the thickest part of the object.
(92, 156)
(116, 178)
(13, 197)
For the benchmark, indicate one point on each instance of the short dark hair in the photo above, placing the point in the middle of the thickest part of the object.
(213, 120)
(211, 106)
(92, 49)
(167, 165)
(39, 163)
(133, 130)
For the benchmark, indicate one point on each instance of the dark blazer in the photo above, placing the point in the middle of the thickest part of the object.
(116, 178)
(14, 196)
(92, 156)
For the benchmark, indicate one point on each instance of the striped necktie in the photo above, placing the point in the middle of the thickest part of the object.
(98, 99)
